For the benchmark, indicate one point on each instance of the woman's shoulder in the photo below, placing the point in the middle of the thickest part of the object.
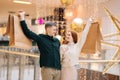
(63, 45)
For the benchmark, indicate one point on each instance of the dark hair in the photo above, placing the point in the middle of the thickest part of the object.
(49, 24)
(74, 36)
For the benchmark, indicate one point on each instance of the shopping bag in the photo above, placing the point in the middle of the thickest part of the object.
(93, 39)
(17, 37)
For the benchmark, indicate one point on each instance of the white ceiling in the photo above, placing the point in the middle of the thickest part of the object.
(7, 5)
(37, 6)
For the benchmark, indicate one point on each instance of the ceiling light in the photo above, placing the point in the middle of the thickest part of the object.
(67, 2)
(78, 21)
(22, 1)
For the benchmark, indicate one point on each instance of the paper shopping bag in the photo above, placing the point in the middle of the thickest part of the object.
(17, 37)
(93, 40)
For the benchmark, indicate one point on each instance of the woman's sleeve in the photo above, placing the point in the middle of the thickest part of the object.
(27, 32)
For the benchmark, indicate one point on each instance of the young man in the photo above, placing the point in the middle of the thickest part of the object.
(49, 49)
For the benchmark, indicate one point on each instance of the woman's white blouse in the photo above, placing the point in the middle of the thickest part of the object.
(69, 54)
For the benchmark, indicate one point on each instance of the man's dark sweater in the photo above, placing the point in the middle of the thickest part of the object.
(48, 46)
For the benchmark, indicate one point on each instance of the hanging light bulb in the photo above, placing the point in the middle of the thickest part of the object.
(78, 21)
(67, 2)
(77, 25)
(70, 13)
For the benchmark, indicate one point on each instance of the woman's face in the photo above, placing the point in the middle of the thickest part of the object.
(68, 36)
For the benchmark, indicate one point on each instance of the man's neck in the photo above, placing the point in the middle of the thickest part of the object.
(49, 35)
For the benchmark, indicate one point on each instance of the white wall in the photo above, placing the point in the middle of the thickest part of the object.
(107, 28)
(112, 5)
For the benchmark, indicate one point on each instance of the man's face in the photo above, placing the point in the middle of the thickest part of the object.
(51, 31)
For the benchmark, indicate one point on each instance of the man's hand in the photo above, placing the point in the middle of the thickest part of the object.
(22, 15)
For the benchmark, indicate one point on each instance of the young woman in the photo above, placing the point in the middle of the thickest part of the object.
(69, 56)
(70, 50)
